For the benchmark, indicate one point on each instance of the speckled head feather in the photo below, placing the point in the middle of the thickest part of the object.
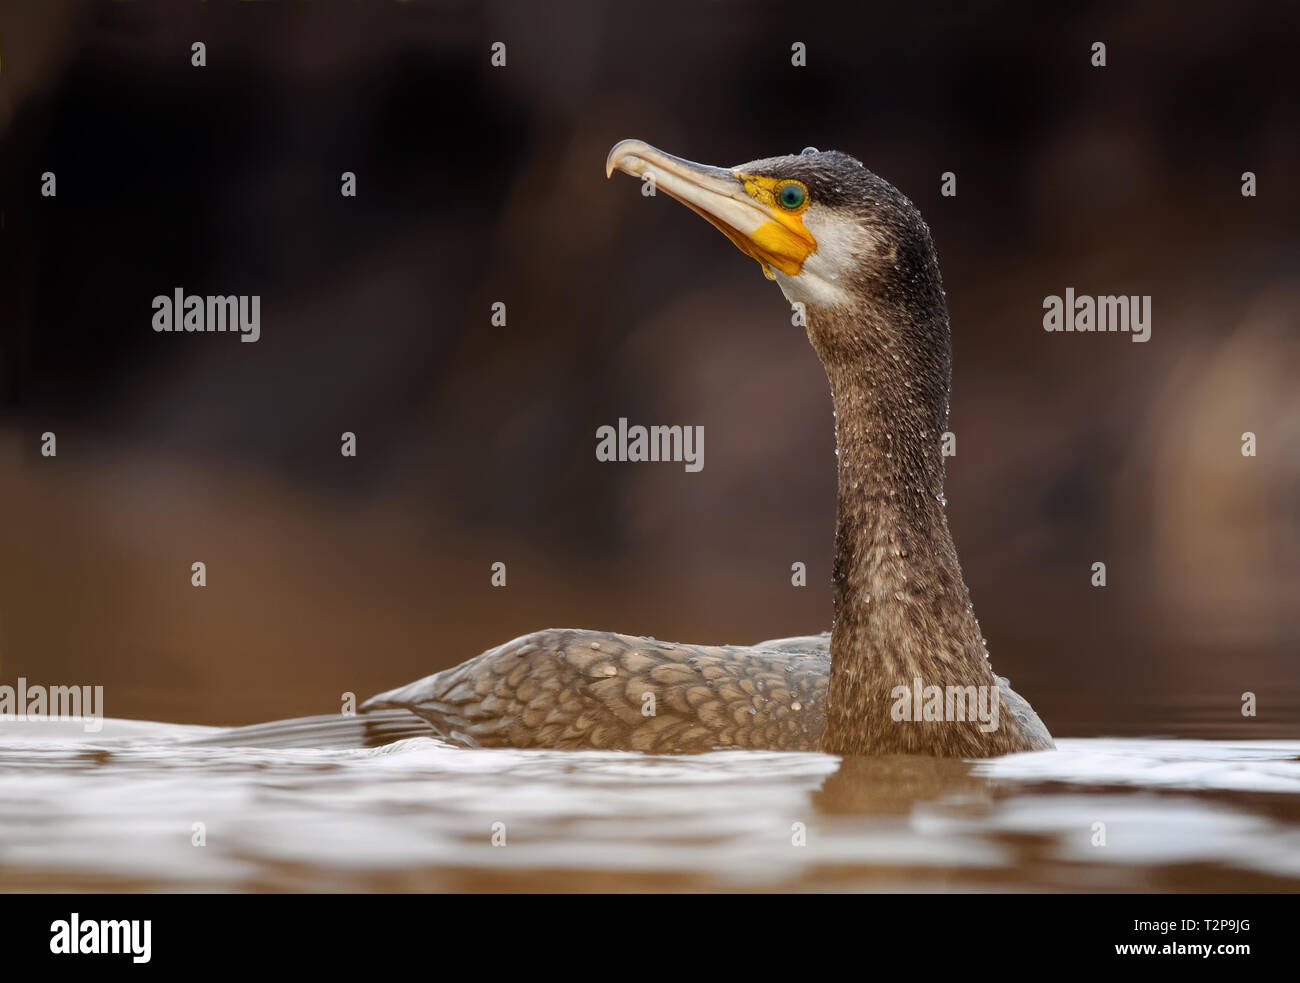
(841, 184)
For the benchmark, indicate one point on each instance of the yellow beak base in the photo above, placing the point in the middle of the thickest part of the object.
(743, 207)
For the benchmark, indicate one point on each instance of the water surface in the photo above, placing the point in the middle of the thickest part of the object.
(116, 811)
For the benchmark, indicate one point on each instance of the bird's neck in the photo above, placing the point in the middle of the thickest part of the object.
(902, 609)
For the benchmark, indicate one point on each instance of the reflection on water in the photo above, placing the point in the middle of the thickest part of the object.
(116, 811)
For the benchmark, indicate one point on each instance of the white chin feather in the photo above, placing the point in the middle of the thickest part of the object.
(842, 242)
(810, 289)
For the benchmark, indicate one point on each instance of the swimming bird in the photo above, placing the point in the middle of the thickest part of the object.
(904, 667)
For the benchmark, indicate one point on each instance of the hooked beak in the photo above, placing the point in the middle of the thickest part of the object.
(741, 206)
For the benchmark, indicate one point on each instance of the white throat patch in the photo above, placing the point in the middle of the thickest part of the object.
(841, 244)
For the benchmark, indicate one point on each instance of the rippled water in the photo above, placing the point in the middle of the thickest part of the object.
(116, 811)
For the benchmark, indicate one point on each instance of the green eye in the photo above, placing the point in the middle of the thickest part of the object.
(791, 195)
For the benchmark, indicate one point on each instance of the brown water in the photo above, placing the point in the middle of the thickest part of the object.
(116, 811)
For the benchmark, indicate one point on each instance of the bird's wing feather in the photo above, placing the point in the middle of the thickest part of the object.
(332, 731)
(570, 688)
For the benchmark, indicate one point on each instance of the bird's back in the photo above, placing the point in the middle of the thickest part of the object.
(571, 688)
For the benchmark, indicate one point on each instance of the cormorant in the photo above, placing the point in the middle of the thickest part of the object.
(904, 668)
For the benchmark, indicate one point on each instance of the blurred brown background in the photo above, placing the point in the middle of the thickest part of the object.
(476, 443)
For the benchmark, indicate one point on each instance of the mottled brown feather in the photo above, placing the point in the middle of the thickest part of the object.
(571, 688)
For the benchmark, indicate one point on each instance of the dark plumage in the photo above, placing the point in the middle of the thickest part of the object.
(857, 254)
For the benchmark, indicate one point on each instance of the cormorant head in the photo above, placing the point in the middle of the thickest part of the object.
(832, 234)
